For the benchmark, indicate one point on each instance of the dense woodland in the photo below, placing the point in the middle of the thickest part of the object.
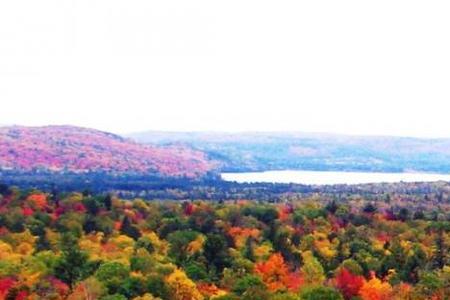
(390, 245)
(211, 187)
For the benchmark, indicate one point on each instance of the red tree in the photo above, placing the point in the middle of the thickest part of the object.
(348, 283)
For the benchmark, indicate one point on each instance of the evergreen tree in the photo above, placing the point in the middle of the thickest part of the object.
(73, 265)
(248, 250)
(108, 202)
(130, 230)
(440, 253)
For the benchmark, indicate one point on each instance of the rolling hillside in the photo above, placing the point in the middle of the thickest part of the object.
(321, 152)
(74, 149)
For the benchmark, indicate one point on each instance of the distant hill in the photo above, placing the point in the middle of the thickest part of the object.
(74, 149)
(302, 151)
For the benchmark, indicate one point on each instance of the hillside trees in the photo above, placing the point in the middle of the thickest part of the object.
(83, 246)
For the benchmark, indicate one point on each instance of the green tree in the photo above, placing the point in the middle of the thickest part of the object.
(414, 263)
(179, 242)
(157, 286)
(429, 283)
(216, 253)
(112, 275)
(320, 293)
(114, 297)
(108, 202)
(439, 259)
(246, 282)
(130, 230)
(248, 251)
(196, 271)
(132, 287)
(73, 265)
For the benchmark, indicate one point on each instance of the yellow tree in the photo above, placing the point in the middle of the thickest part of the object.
(89, 289)
(312, 270)
(181, 287)
(146, 297)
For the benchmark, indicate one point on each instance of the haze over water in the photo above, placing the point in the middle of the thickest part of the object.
(331, 177)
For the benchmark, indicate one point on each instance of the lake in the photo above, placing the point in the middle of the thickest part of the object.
(326, 177)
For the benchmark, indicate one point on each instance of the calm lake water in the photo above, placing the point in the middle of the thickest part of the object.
(320, 177)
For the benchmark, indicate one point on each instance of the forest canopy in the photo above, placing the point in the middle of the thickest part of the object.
(97, 246)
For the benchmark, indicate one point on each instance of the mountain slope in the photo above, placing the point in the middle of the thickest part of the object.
(302, 151)
(67, 148)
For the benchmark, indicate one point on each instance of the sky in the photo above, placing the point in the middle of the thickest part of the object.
(354, 67)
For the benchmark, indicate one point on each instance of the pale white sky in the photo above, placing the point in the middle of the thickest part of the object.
(358, 67)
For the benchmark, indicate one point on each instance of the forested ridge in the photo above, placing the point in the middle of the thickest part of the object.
(82, 245)
(262, 151)
(62, 149)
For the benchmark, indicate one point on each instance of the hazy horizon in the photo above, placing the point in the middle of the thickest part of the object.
(350, 67)
(218, 132)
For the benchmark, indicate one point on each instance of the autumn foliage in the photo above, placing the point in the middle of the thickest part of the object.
(348, 283)
(79, 246)
(276, 275)
(66, 148)
(376, 289)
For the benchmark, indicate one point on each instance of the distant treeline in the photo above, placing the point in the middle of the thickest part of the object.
(211, 187)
